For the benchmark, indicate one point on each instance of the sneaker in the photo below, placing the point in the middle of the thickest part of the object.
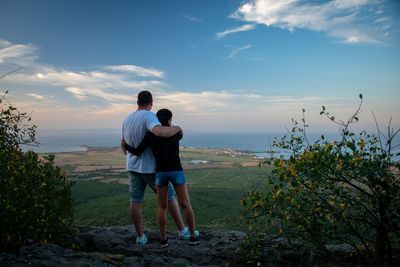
(185, 234)
(164, 243)
(193, 241)
(141, 241)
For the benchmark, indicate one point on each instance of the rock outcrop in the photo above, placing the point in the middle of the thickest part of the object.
(115, 246)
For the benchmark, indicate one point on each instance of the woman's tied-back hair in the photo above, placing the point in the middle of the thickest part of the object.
(144, 98)
(164, 115)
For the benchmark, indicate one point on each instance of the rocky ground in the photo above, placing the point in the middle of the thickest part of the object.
(115, 246)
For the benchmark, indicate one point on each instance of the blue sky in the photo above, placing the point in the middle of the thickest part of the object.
(240, 66)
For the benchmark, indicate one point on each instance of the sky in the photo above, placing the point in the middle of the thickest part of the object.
(219, 66)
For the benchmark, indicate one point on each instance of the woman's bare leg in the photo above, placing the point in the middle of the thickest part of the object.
(162, 196)
(183, 198)
(175, 212)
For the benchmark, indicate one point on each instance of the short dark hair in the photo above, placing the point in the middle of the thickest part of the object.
(164, 115)
(144, 98)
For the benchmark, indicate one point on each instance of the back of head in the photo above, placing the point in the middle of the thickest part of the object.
(144, 98)
(164, 115)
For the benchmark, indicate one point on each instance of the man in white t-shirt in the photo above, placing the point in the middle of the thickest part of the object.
(141, 169)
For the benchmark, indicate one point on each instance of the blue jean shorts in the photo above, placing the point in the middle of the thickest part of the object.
(138, 183)
(174, 177)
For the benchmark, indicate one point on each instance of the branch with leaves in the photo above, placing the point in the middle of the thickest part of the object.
(334, 191)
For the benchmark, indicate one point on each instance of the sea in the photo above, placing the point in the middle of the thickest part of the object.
(54, 141)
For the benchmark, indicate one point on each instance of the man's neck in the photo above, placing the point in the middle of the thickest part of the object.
(148, 107)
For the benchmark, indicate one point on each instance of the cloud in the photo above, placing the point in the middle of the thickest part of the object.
(96, 78)
(229, 101)
(221, 110)
(106, 94)
(40, 97)
(137, 70)
(352, 3)
(191, 18)
(77, 92)
(220, 103)
(85, 85)
(110, 84)
(20, 54)
(242, 110)
(237, 50)
(85, 93)
(246, 27)
(348, 20)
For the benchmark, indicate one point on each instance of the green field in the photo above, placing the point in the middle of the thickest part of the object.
(214, 192)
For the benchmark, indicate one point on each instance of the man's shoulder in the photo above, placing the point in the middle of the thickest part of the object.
(144, 114)
(140, 114)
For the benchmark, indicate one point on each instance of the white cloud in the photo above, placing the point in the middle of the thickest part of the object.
(107, 94)
(352, 3)
(220, 103)
(243, 111)
(246, 27)
(113, 90)
(348, 20)
(224, 111)
(110, 87)
(237, 50)
(111, 97)
(229, 101)
(20, 54)
(77, 92)
(137, 70)
(191, 18)
(221, 110)
(111, 84)
(4, 43)
(40, 97)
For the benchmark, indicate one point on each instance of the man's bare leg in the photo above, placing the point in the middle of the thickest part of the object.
(136, 218)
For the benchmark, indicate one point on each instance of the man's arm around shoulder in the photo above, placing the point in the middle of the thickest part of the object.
(165, 131)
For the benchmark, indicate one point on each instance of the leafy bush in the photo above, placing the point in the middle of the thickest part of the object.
(35, 195)
(333, 192)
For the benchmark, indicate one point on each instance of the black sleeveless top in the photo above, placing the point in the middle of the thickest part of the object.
(165, 150)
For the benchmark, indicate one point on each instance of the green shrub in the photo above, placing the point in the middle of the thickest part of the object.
(333, 192)
(35, 195)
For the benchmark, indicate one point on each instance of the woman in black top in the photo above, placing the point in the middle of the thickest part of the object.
(168, 169)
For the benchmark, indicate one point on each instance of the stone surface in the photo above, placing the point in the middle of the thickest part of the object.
(116, 246)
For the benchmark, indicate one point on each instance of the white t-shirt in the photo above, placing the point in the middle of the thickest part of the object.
(134, 128)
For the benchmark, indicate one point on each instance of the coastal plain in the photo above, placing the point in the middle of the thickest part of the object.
(217, 180)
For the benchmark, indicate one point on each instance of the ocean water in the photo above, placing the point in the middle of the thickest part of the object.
(52, 141)
(78, 140)
(259, 144)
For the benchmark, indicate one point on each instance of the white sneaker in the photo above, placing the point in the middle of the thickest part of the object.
(185, 234)
(141, 241)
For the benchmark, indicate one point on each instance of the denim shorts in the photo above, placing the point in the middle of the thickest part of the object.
(138, 183)
(174, 177)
